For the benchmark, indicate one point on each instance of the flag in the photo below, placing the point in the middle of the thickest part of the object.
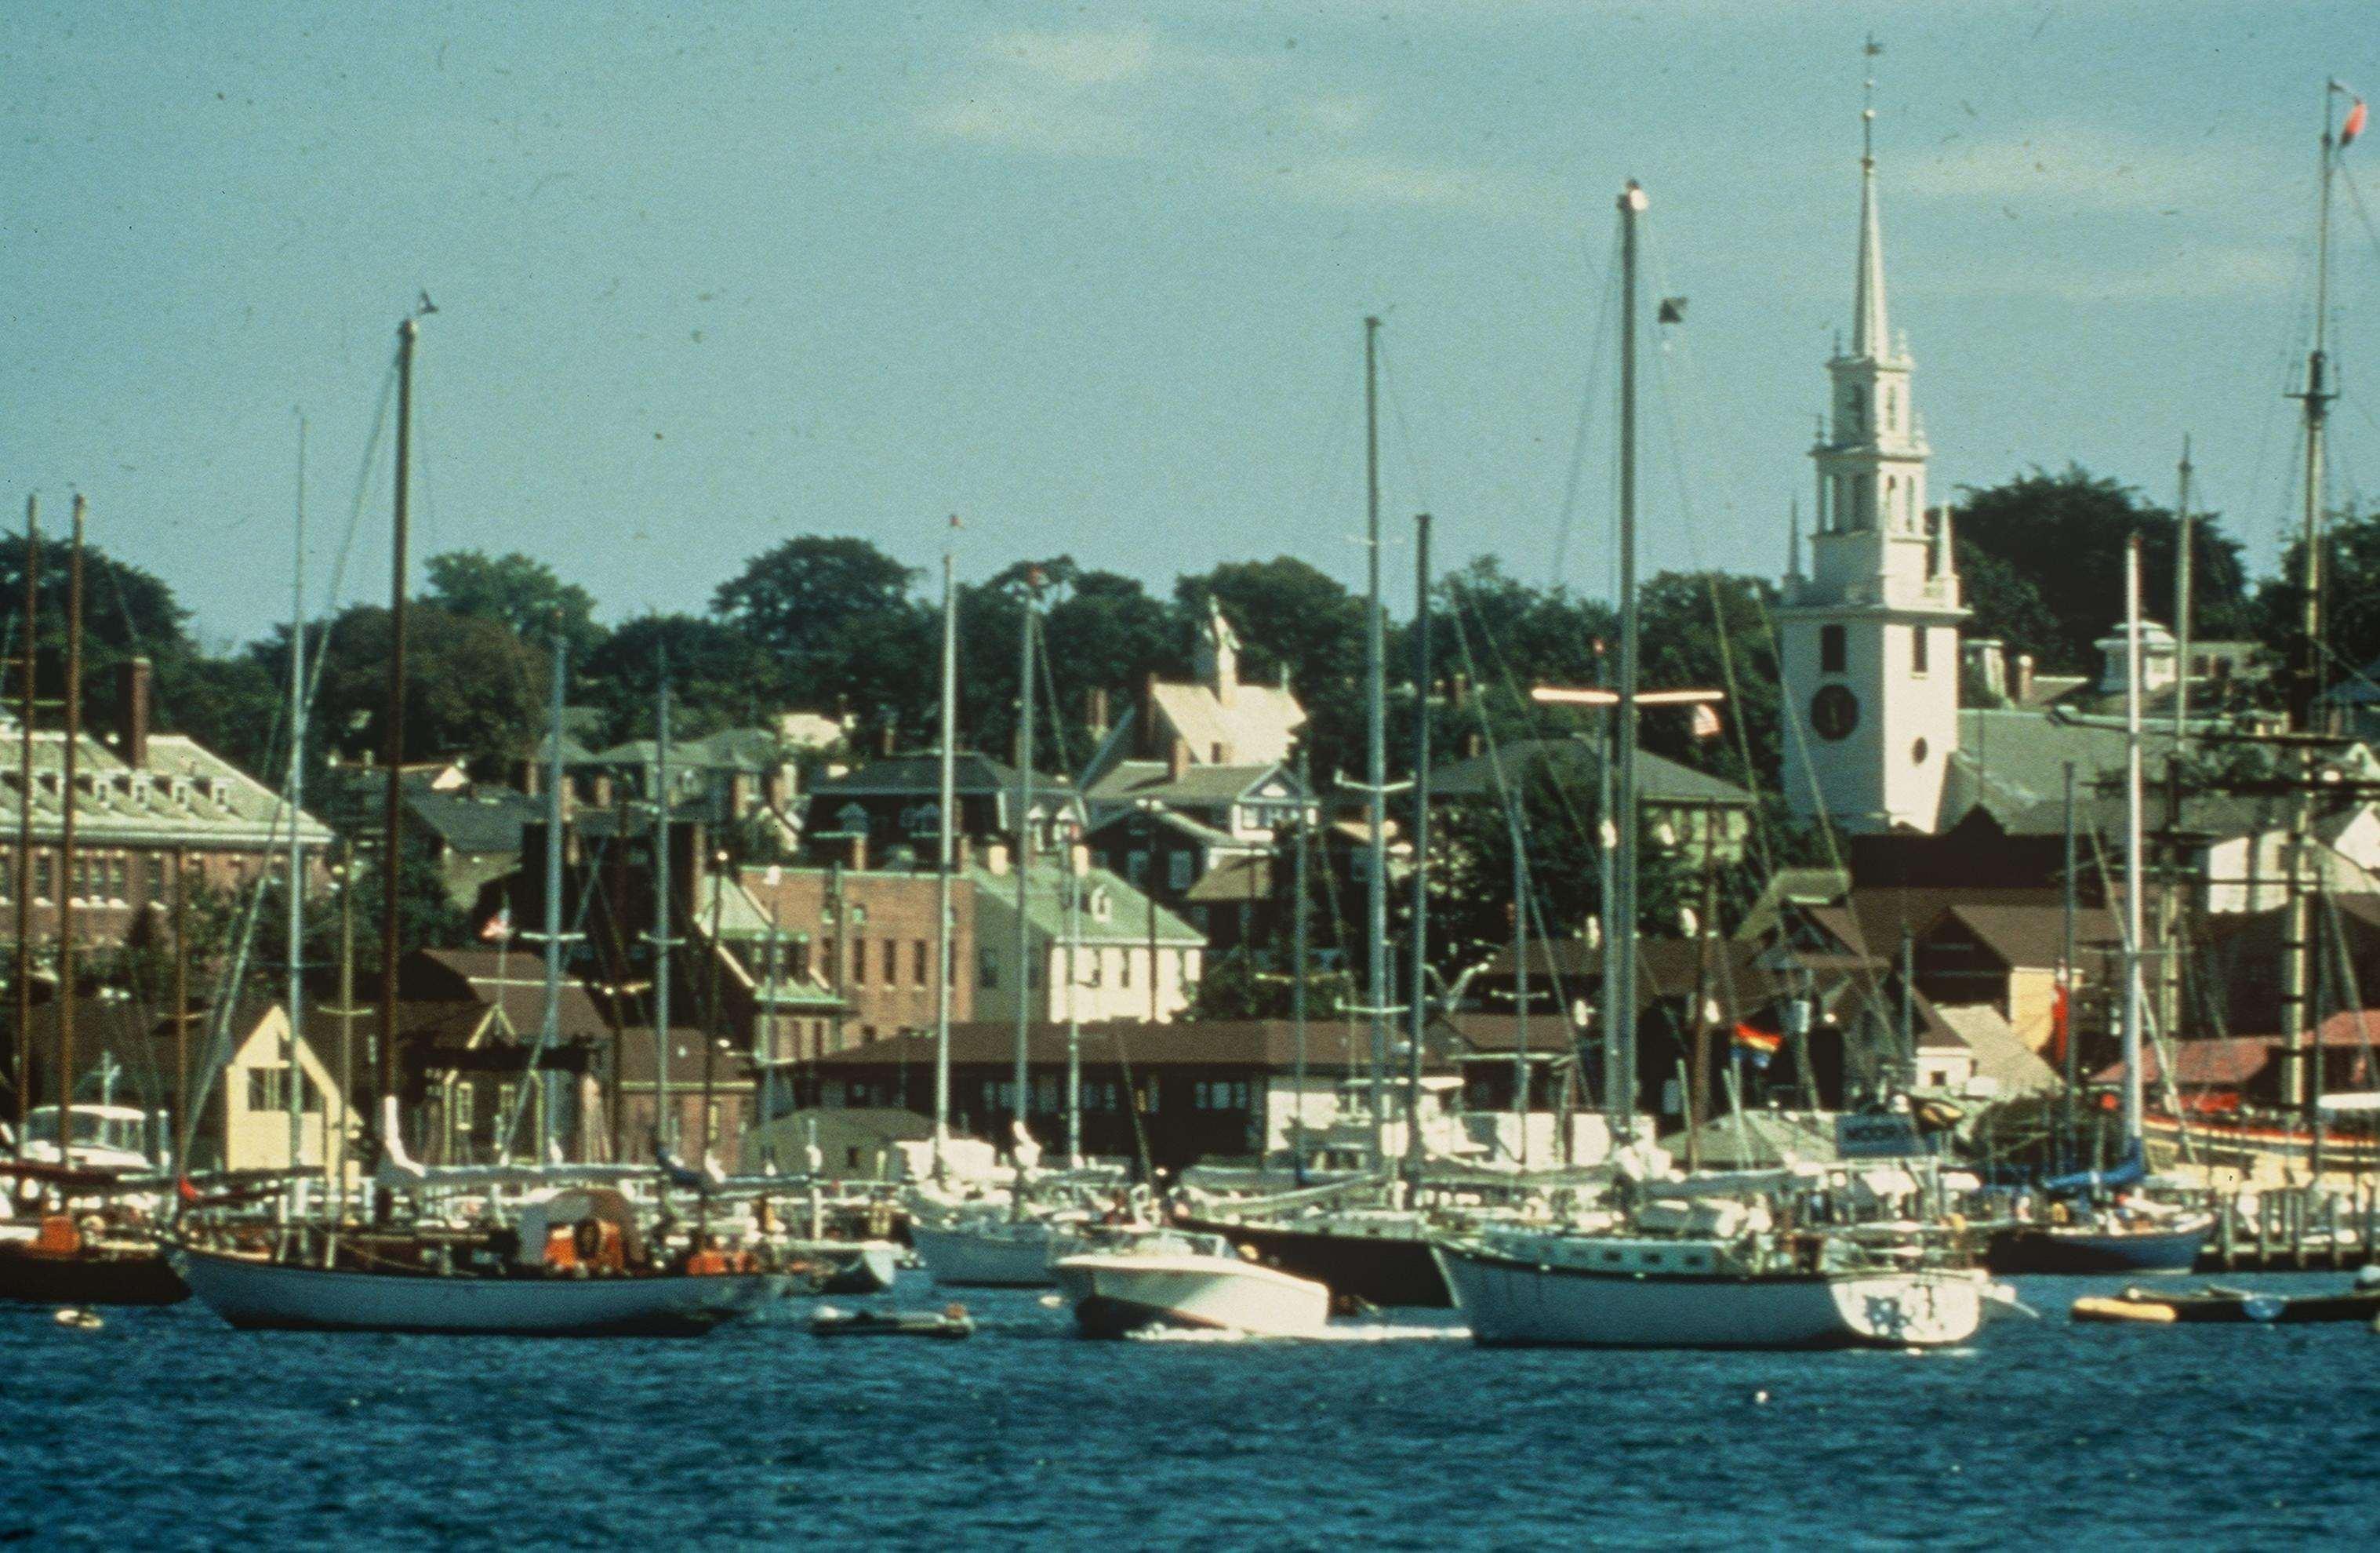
(1671, 310)
(1705, 723)
(1756, 1046)
(2060, 1015)
(184, 1189)
(499, 928)
(2353, 127)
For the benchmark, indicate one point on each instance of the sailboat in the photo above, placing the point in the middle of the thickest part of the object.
(1692, 1263)
(573, 1264)
(75, 1255)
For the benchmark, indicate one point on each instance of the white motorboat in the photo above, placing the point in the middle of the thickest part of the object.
(1169, 1278)
(1625, 1290)
(848, 1267)
(251, 1293)
(990, 1253)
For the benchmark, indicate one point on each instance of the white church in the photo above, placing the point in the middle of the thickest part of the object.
(1869, 639)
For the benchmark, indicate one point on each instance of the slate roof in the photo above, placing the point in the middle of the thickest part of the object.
(185, 794)
(1576, 763)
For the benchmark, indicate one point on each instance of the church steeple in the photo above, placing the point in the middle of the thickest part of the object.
(1870, 338)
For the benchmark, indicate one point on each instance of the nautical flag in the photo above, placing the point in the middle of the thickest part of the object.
(1705, 723)
(1756, 1046)
(499, 928)
(2353, 127)
(1671, 310)
(2060, 1013)
(184, 1189)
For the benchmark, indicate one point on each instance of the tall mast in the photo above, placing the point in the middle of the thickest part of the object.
(2071, 1059)
(664, 1117)
(25, 711)
(67, 888)
(1520, 976)
(297, 967)
(1418, 1015)
(1074, 1015)
(2132, 871)
(549, 1034)
(944, 859)
(1619, 907)
(393, 815)
(1375, 751)
(1297, 980)
(2183, 565)
(1024, 863)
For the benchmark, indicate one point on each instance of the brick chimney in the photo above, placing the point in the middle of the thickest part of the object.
(132, 711)
(856, 860)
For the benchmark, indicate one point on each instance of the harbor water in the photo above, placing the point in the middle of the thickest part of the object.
(165, 1429)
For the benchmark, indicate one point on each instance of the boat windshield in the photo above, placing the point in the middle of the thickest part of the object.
(95, 1127)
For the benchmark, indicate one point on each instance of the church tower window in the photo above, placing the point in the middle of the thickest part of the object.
(1831, 656)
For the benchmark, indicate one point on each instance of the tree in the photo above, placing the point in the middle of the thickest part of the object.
(719, 677)
(1099, 631)
(2066, 533)
(2350, 592)
(837, 615)
(518, 592)
(473, 689)
(2008, 608)
(128, 613)
(1710, 631)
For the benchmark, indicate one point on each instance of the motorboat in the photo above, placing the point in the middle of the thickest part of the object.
(845, 1267)
(990, 1252)
(1174, 1277)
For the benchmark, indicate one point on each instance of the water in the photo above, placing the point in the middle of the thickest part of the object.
(166, 1430)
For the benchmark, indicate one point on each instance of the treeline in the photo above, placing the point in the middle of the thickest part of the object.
(835, 624)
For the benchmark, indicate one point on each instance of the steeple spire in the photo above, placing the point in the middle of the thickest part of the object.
(1870, 339)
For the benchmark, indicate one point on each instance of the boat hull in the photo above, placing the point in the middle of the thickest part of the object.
(1515, 1303)
(1385, 1269)
(2057, 1249)
(89, 1278)
(1116, 1295)
(267, 1296)
(996, 1257)
(853, 1267)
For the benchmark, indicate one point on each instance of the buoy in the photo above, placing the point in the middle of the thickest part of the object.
(1760, 1397)
(1052, 1302)
(81, 1321)
(2090, 1308)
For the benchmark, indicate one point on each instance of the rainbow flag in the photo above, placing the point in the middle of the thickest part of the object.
(1756, 1046)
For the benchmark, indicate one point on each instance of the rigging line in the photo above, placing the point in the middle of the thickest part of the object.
(1406, 444)
(2159, 1039)
(1606, 310)
(1532, 906)
(578, 931)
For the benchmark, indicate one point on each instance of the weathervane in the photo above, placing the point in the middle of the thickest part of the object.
(1867, 102)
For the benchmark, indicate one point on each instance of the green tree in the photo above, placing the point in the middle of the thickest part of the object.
(1099, 631)
(838, 616)
(473, 690)
(2008, 607)
(2351, 593)
(2066, 534)
(720, 677)
(518, 592)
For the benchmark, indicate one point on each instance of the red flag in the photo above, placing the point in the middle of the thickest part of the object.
(184, 1189)
(2353, 127)
(2060, 1013)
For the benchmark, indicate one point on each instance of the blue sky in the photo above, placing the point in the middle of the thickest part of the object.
(1093, 275)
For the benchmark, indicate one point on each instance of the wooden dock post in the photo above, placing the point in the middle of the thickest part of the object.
(2226, 1237)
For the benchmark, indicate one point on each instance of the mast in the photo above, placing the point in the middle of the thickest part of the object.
(68, 887)
(346, 1001)
(549, 1034)
(1073, 1017)
(664, 1117)
(295, 969)
(393, 815)
(2132, 916)
(1520, 979)
(1417, 1016)
(24, 712)
(1025, 868)
(1297, 982)
(944, 859)
(2182, 602)
(1619, 907)
(1376, 752)
(2070, 1059)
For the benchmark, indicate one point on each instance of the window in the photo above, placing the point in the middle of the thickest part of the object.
(1832, 654)
(1179, 866)
(156, 870)
(120, 878)
(464, 1108)
(859, 962)
(892, 962)
(1124, 969)
(44, 876)
(1920, 640)
(986, 970)
(797, 960)
(920, 960)
(1135, 868)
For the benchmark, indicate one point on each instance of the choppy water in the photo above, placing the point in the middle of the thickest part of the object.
(167, 1430)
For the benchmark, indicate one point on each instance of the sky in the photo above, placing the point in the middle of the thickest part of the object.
(1093, 276)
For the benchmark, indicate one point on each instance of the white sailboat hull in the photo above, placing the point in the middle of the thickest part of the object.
(1115, 1293)
(254, 1294)
(998, 1254)
(1512, 1302)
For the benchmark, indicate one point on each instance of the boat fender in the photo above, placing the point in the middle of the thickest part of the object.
(2093, 1308)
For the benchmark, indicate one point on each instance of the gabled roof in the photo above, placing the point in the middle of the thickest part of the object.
(2031, 936)
(1235, 880)
(1127, 920)
(1577, 764)
(920, 776)
(1260, 723)
(1132, 780)
(2000, 1052)
(183, 793)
